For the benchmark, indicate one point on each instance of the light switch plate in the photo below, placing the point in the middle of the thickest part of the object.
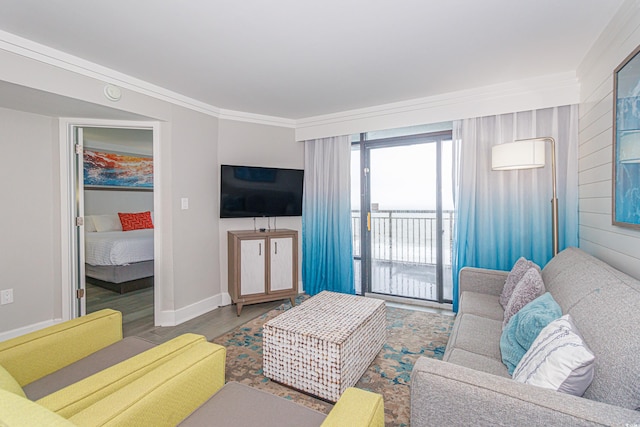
(184, 203)
(6, 296)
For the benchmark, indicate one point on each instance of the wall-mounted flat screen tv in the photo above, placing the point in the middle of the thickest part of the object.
(249, 191)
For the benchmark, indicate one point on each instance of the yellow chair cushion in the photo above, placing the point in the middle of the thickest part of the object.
(78, 396)
(8, 383)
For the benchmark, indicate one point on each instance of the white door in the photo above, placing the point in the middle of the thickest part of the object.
(252, 266)
(80, 286)
(281, 277)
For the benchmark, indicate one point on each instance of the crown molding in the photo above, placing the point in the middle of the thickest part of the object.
(47, 55)
(256, 118)
(520, 95)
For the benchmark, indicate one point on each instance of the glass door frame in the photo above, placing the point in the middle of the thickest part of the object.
(365, 147)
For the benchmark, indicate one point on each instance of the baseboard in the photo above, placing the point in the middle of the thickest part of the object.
(181, 315)
(27, 329)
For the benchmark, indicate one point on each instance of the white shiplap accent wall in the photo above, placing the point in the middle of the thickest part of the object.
(617, 246)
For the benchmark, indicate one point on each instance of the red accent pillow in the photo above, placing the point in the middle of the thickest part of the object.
(135, 221)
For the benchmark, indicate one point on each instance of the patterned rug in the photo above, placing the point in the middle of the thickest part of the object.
(410, 334)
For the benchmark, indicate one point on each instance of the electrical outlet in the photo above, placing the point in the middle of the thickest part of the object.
(6, 296)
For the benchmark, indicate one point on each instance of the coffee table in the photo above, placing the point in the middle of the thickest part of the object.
(325, 344)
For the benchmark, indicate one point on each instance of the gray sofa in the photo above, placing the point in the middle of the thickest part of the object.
(471, 386)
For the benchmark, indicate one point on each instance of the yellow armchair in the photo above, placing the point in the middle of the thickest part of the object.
(163, 384)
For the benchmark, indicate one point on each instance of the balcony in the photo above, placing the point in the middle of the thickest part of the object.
(404, 253)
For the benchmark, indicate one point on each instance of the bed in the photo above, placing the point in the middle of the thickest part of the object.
(121, 261)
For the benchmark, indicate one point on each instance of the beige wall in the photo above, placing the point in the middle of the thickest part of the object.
(252, 144)
(616, 245)
(29, 225)
(194, 162)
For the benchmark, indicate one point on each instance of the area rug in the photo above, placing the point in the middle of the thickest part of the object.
(410, 334)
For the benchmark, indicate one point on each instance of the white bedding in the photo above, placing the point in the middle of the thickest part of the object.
(118, 247)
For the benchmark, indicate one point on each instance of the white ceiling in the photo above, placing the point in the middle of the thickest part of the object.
(301, 58)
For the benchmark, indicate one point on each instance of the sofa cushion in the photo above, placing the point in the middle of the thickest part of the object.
(528, 288)
(477, 362)
(558, 359)
(608, 320)
(524, 327)
(239, 405)
(480, 304)
(92, 364)
(476, 334)
(8, 383)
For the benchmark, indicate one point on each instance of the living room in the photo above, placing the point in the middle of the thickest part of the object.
(43, 87)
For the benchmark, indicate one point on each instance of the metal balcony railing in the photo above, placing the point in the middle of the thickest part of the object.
(406, 236)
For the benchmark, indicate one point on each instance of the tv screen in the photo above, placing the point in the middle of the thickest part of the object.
(249, 191)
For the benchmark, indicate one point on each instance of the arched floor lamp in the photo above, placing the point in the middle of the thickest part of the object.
(529, 154)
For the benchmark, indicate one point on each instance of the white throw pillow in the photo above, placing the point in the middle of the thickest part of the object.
(109, 222)
(89, 226)
(558, 359)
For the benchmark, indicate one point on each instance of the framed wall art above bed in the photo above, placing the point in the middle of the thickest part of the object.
(117, 171)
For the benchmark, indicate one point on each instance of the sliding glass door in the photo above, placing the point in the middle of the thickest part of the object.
(403, 216)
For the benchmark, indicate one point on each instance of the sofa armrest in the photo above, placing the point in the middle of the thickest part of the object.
(356, 408)
(84, 393)
(446, 394)
(32, 356)
(482, 280)
(164, 396)
(17, 411)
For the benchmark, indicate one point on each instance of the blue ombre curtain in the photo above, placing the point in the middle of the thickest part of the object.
(503, 215)
(327, 255)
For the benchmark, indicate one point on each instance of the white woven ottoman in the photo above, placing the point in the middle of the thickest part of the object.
(325, 344)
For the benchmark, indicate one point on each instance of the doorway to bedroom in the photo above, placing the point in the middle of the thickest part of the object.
(115, 199)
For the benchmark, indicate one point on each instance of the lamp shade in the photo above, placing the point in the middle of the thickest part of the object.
(629, 147)
(522, 154)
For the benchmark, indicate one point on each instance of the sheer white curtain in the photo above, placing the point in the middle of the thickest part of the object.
(503, 215)
(327, 254)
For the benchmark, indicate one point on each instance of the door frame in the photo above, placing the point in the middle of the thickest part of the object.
(70, 254)
(365, 147)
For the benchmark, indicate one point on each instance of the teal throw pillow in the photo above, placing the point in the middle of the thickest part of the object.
(525, 326)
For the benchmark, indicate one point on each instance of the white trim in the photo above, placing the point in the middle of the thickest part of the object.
(67, 195)
(27, 329)
(41, 53)
(181, 315)
(540, 92)
(256, 118)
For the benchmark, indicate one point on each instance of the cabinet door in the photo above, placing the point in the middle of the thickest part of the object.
(281, 265)
(252, 266)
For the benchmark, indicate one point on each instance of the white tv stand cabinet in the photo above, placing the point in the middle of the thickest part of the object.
(263, 266)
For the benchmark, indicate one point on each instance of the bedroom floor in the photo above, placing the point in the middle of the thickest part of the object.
(137, 315)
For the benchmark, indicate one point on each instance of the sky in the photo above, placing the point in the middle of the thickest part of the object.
(404, 177)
